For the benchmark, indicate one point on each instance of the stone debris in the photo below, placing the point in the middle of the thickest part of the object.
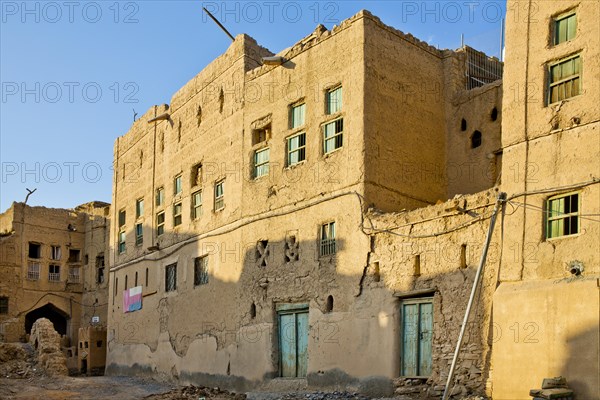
(324, 396)
(46, 342)
(16, 361)
(198, 392)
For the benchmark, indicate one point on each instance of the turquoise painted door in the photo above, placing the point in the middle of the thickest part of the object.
(417, 332)
(293, 343)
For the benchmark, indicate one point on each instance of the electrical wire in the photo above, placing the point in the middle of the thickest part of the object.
(557, 213)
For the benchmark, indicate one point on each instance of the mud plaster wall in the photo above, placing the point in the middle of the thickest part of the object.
(48, 227)
(547, 149)
(444, 270)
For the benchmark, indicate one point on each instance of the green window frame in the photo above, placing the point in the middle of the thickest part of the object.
(297, 115)
(562, 215)
(296, 149)
(564, 79)
(565, 28)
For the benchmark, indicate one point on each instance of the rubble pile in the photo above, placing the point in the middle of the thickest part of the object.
(325, 396)
(15, 360)
(46, 342)
(198, 392)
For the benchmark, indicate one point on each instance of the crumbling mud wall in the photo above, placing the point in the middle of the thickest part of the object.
(46, 342)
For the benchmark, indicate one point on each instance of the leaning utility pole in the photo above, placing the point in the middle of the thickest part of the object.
(499, 200)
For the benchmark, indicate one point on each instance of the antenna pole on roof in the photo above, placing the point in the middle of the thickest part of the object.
(462, 40)
(218, 23)
(501, 40)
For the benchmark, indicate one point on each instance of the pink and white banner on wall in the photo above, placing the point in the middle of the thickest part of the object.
(132, 299)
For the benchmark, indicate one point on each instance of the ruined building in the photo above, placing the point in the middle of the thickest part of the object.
(52, 266)
(241, 250)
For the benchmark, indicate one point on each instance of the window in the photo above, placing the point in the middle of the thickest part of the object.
(54, 273)
(3, 305)
(333, 135)
(296, 151)
(74, 274)
(171, 278)
(160, 223)
(334, 100)
(35, 250)
(139, 234)
(74, 255)
(565, 28)
(177, 188)
(122, 244)
(476, 139)
(565, 79)
(562, 216)
(100, 266)
(177, 214)
(99, 343)
(33, 271)
(197, 204)
(160, 197)
(200, 271)
(121, 218)
(261, 134)
(261, 162)
(139, 208)
(55, 252)
(196, 175)
(219, 195)
(327, 244)
(297, 116)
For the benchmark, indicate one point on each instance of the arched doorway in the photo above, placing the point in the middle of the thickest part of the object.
(57, 316)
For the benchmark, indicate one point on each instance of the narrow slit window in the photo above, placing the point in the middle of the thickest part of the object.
(139, 234)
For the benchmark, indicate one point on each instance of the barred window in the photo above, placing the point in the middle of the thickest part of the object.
(33, 271)
(200, 271)
(327, 241)
(54, 273)
(171, 277)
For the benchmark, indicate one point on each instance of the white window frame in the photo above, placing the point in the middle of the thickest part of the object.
(33, 271)
(219, 198)
(333, 100)
(261, 168)
(297, 115)
(55, 253)
(74, 274)
(337, 138)
(300, 150)
(53, 276)
(196, 204)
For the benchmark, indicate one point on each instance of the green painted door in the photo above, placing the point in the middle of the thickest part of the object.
(417, 332)
(293, 343)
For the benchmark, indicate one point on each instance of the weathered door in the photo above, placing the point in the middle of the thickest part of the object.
(417, 330)
(293, 341)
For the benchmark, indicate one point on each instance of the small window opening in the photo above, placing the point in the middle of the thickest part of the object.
(417, 265)
(476, 139)
(199, 115)
(179, 132)
(126, 282)
(146, 277)
(221, 100)
(99, 343)
(253, 311)
(196, 175)
(463, 125)
(35, 250)
(261, 134)
(200, 271)
(136, 279)
(463, 256)
(376, 273)
(74, 255)
(329, 305)
(86, 345)
(291, 252)
(494, 114)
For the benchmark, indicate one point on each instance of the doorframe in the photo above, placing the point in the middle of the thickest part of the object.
(427, 297)
(283, 309)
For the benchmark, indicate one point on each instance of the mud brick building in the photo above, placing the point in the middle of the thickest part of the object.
(52, 266)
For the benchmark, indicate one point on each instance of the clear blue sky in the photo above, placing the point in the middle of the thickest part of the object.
(72, 72)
